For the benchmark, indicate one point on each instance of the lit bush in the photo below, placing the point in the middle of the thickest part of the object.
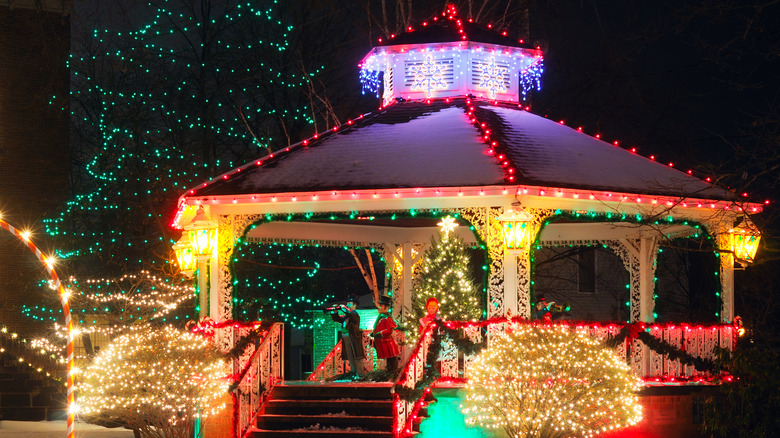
(550, 381)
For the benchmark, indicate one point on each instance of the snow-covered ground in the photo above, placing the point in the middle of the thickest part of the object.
(57, 429)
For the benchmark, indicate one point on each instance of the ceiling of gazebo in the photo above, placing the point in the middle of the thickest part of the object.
(368, 233)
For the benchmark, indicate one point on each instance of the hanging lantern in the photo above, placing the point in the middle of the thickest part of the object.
(744, 241)
(185, 256)
(202, 233)
(518, 228)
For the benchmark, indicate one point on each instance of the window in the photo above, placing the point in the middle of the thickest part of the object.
(586, 275)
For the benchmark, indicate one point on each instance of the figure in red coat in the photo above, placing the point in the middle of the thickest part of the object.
(384, 342)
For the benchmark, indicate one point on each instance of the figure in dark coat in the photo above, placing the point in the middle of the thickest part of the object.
(384, 342)
(351, 335)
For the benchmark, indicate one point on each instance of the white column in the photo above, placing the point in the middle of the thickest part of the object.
(214, 303)
(726, 278)
(406, 284)
(203, 288)
(510, 282)
(648, 250)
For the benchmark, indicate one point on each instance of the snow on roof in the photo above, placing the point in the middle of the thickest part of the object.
(409, 145)
(548, 153)
(435, 144)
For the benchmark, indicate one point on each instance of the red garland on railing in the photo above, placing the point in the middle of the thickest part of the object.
(416, 350)
(592, 324)
(236, 379)
(397, 432)
(234, 420)
(207, 326)
(336, 349)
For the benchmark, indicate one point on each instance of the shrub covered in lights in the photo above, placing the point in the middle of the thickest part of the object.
(154, 381)
(550, 381)
(107, 307)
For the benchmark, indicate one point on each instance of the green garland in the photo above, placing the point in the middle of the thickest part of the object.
(244, 342)
(468, 347)
(661, 347)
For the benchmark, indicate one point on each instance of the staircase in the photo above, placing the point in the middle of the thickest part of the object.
(27, 395)
(327, 410)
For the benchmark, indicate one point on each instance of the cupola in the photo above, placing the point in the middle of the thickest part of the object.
(448, 56)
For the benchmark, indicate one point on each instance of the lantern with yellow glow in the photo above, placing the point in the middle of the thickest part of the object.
(517, 228)
(744, 242)
(202, 233)
(185, 256)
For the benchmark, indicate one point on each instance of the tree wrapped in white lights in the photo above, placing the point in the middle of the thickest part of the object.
(550, 381)
(156, 381)
(445, 276)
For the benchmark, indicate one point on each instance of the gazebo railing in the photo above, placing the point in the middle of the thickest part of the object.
(333, 364)
(699, 341)
(696, 340)
(411, 373)
(257, 370)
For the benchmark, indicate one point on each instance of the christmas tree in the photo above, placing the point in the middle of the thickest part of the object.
(445, 275)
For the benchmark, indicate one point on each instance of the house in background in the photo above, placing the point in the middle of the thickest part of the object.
(34, 143)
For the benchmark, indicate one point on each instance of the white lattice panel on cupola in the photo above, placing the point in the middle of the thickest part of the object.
(429, 75)
(442, 70)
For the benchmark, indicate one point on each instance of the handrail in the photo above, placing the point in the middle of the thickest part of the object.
(257, 371)
(412, 372)
(333, 364)
(327, 368)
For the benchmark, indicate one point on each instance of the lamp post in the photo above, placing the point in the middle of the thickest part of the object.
(517, 230)
(202, 233)
(744, 242)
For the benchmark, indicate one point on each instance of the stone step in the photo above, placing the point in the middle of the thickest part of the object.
(342, 422)
(329, 391)
(317, 434)
(321, 407)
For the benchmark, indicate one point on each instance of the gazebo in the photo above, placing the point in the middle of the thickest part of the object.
(453, 137)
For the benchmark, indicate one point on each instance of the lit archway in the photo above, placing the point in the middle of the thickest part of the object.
(48, 263)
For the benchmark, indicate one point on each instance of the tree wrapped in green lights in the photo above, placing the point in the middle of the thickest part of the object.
(174, 95)
(157, 382)
(550, 381)
(445, 275)
(289, 283)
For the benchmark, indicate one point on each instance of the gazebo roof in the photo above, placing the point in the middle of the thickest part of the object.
(456, 143)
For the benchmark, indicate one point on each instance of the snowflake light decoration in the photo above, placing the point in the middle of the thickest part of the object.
(493, 78)
(428, 76)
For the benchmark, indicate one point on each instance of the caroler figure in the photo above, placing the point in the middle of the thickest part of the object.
(432, 315)
(384, 342)
(351, 336)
